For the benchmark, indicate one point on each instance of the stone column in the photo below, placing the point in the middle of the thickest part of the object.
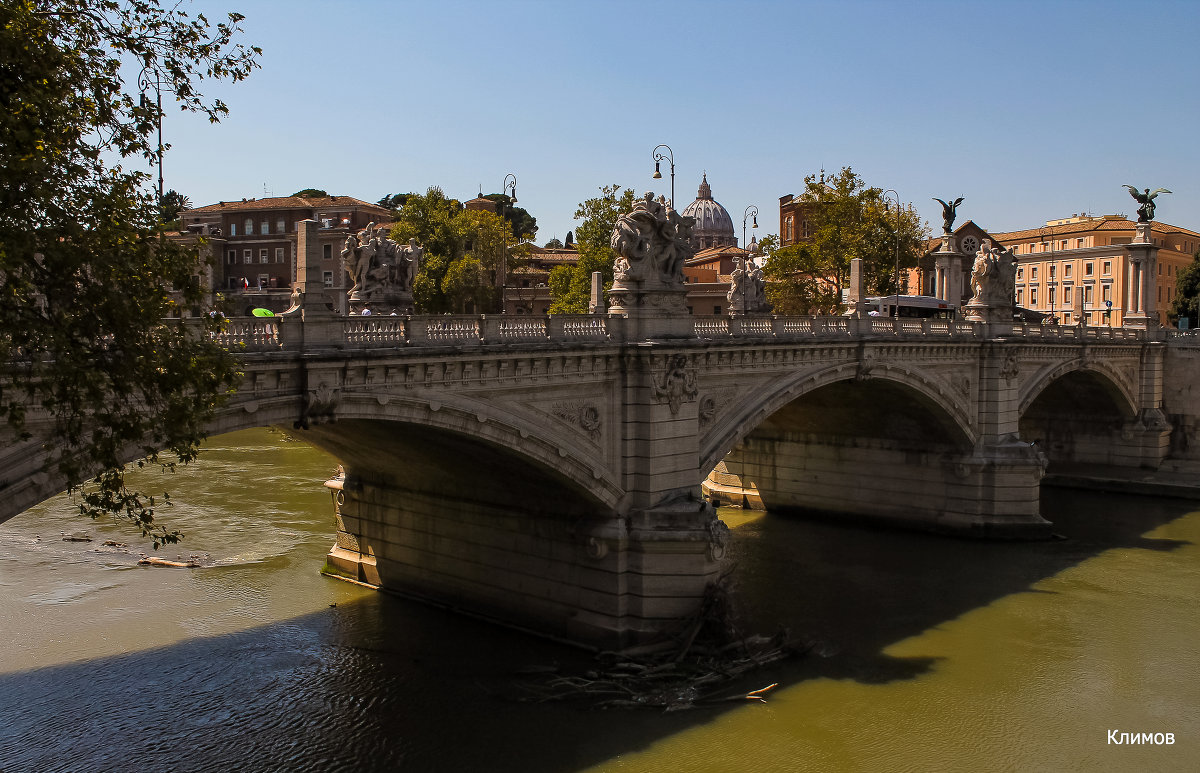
(1142, 310)
(308, 323)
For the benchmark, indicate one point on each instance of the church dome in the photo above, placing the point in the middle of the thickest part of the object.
(714, 226)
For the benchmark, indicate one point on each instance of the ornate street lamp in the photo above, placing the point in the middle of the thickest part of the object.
(750, 213)
(510, 188)
(660, 157)
(897, 275)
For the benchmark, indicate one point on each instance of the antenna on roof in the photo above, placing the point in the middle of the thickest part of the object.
(267, 193)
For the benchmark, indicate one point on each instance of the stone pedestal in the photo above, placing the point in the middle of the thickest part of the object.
(385, 304)
(1141, 278)
(948, 272)
(652, 310)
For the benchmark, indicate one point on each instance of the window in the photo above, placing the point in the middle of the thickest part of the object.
(247, 256)
(1020, 295)
(264, 227)
(1079, 244)
(249, 227)
(327, 278)
(1053, 268)
(788, 230)
(716, 309)
(280, 226)
(1020, 272)
(1160, 293)
(327, 252)
(1087, 294)
(1064, 244)
(1088, 268)
(262, 255)
(278, 254)
(1067, 271)
(1106, 293)
(1067, 297)
(1033, 272)
(232, 257)
(1050, 291)
(233, 229)
(1033, 296)
(807, 228)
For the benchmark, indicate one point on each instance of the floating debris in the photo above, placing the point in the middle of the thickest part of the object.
(686, 672)
(78, 536)
(156, 561)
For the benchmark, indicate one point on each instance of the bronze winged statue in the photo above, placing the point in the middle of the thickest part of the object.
(948, 213)
(1145, 202)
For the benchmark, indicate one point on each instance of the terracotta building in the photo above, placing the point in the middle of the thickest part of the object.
(1089, 252)
(255, 240)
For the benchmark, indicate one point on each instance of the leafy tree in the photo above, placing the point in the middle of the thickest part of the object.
(524, 225)
(1187, 293)
(394, 200)
(311, 193)
(467, 253)
(171, 204)
(846, 219)
(571, 286)
(78, 231)
(553, 244)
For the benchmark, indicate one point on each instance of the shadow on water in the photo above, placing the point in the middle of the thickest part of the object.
(387, 684)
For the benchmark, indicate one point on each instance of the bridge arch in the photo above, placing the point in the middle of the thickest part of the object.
(740, 422)
(1112, 382)
(1077, 413)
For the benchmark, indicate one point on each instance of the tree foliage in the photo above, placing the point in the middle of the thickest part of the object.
(467, 253)
(1186, 302)
(171, 204)
(394, 200)
(524, 225)
(311, 193)
(846, 220)
(571, 286)
(79, 233)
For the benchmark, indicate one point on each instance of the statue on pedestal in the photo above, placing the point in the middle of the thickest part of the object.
(651, 243)
(993, 278)
(1145, 202)
(383, 271)
(948, 213)
(747, 290)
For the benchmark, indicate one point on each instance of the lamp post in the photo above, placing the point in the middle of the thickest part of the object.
(897, 274)
(660, 157)
(145, 83)
(510, 188)
(751, 213)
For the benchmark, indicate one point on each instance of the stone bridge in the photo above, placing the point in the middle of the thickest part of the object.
(546, 472)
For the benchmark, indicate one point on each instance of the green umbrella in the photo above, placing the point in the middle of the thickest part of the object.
(262, 312)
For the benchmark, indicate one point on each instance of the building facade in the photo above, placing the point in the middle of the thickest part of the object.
(1088, 253)
(254, 242)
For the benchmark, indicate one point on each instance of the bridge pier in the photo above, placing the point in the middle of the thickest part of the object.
(596, 579)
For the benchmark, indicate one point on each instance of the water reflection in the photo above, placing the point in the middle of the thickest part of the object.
(932, 653)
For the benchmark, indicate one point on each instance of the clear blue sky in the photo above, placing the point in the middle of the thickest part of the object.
(1031, 110)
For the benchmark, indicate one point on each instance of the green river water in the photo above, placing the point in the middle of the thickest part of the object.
(929, 653)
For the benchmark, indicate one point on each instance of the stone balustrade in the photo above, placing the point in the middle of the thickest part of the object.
(253, 334)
